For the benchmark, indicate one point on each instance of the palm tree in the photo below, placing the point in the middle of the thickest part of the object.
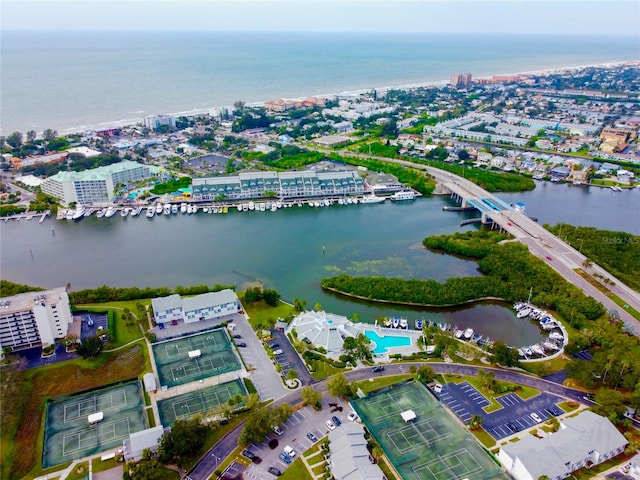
(587, 264)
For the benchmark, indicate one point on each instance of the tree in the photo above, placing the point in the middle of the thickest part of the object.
(463, 155)
(610, 404)
(503, 355)
(260, 422)
(271, 297)
(390, 129)
(14, 140)
(183, 442)
(49, 135)
(310, 396)
(299, 305)
(148, 468)
(475, 422)
(252, 295)
(338, 386)
(90, 347)
(425, 373)
(292, 374)
(239, 105)
(31, 136)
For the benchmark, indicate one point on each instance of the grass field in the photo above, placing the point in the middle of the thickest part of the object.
(377, 383)
(22, 429)
(297, 471)
(262, 315)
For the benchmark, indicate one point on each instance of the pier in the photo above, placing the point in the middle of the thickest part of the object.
(28, 216)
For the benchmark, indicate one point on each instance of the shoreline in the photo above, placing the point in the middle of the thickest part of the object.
(123, 123)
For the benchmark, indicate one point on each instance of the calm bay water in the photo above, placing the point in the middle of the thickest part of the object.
(291, 250)
(78, 80)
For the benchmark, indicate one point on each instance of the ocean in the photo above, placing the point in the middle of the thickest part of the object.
(74, 81)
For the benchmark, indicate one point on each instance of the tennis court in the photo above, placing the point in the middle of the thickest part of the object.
(211, 354)
(206, 399)
(433, 446)
(69, 434)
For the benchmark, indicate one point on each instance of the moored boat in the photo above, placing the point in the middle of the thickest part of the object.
(110, 212)
(404, 323)
(100, 213)
(395, 322)
(418, 324)
(524, 312)
(403, 195)
(468, 333)
(150, 212)
(458, 333)
(372, 199)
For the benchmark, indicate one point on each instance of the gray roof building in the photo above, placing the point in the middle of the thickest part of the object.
(350, 459)
(193, 309)
(324, 329)
(582, 441)
(138, 442)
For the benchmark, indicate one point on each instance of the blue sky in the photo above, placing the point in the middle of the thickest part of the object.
(617, 17)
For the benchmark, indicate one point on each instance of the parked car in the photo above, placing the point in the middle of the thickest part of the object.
(312, 437)
(336, 420)
(330, 425)
(241, 344)
(248, 454)
(377, 368)
(277, 430)
(290, 451)
(536, 418)
(285, 458)
(273, 345)
(274, 471)
(513, 427)
(352, 416)
(161, 325)
(278, 352)
(174, 322)
(236, 336)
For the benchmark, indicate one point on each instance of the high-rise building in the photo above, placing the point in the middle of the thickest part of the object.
(461, 79)
(34, 319)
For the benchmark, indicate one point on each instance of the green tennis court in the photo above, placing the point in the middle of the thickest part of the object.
(433, 446)
(215, 356)
(204, 400)
(69, 434)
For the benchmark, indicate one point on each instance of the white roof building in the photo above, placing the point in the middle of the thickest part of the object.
(582, 441)
(350, 459)
(138, 442)
(207, 306)
(324, 329)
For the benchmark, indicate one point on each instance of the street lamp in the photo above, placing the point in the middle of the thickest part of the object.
(581, 240)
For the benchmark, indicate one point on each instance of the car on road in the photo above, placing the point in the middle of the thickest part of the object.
(330, 425)
(277, 430)
(535, 417)
(285, 458)
(549, 258)
(274, 471)
(236, 336)
(312, 437)
(241, 344)
(352, 416)
(278, 352)
(336, 420)
(377, 368)
(248, 454)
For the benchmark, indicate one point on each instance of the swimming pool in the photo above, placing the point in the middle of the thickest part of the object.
(388, 341)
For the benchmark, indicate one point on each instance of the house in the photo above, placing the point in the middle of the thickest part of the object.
(559, 173)
(349, 457)
(585, 440)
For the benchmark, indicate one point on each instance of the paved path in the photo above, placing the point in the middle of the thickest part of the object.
(207, 464)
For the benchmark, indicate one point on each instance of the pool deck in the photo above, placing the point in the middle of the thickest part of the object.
(394, 332)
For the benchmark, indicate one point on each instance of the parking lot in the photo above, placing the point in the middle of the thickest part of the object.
(289, 358)
(465, 401)
(92, 324)
(295, 430)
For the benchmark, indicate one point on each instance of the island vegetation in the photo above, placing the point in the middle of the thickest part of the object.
(9, 289)
(113, 294)
(617, 252)
(510, 273)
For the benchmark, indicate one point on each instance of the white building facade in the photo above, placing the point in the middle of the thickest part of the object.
(34, 319)
(207, 306)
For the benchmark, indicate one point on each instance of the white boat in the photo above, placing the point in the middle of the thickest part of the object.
(174, 209)
(89, 211)
(279, 204)
(124, 212)
(167, 209)
(150, 212)
(252, 206)
(549, 325)
(537, 349)
(340, 201)
(239, 207)
(521, 352)
(245, 207)
(403, 195)
(556, 336)
(273, 207)
(404, 323)
(78, 213)
(349, 200)
(110, 212)
(523, 313)
(183, 208)
(418, 324)
(468, 333)
(372, 199)
(263, 207)
(458, 333)
(206, 209)
(159, 208)
(100, 213)
(550, 346)
(135, 211)
(527, 351)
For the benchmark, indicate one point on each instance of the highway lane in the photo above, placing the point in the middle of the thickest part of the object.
(221, 450)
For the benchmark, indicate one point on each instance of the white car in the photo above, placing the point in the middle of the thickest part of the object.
(330, 425)
(352, 416)
(278, 352)
(536, 418)
(290, 451)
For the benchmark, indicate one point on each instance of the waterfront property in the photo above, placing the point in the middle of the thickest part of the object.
(324, 329)
(582, 441)
(93, 186)
(34, 319)
(387, 341)
(255, 185)
(207, 306)
(86, 423)
(196, 357)
(203, 401)
(428, 444)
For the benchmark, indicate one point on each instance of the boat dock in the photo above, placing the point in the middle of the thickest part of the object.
(28, 216)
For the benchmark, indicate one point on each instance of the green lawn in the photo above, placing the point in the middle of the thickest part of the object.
(484, 438)
(568, 406)
(630, 310)
(319, 469)
(380, 382)
(297, 471)
(324, 370)
(98, 465)
(80, 471)
(121, 332)
(262, 315)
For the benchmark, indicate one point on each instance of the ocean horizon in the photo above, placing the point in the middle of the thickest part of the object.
(76, 81)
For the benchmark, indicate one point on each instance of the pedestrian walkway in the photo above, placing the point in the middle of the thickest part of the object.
(318, 459)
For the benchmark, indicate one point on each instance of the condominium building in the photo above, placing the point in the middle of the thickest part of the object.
(460, 79)
(307, 183)
(207, 306)
(93, 186)
(34, 319)
(156, 122)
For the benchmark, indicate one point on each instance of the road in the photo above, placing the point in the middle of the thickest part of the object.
(221, 450)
